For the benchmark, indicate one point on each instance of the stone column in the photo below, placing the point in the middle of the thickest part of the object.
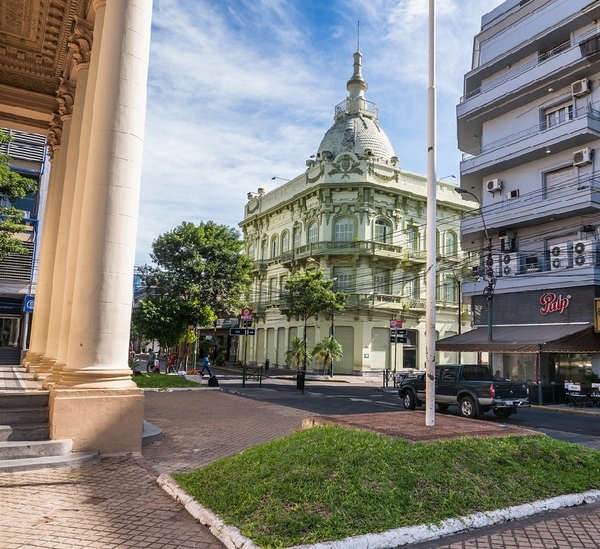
(68, 232)
(95, 403)
(43, 294)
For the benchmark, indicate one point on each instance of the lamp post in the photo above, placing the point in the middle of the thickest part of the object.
(488, 291)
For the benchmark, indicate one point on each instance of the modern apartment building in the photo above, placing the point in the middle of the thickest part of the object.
(529, 126)
(357, 215)
(18, 272)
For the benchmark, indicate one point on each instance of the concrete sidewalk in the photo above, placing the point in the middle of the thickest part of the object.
(118, 503)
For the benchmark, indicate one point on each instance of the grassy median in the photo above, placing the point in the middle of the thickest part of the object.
(328, 483)
(162, 381)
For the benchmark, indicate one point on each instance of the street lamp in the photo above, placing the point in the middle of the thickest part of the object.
(488, 291)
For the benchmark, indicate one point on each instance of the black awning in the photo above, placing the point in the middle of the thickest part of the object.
(565, 338)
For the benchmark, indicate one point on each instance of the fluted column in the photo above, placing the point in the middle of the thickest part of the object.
(43, 296)
(95, 384)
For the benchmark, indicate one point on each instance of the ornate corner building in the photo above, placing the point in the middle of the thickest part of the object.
(75, 71)
(354, 213)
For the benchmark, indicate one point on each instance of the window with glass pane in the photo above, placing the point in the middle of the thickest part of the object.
(313, 233)
(383, 231)
(412, 238)
(343, 230)
(251, 251)
(451, 291)
(410, 288)
(344, 280)
(285, 241)
(558, 115)
(296, 238)
(381, 282)
(275, 247)
(263, 249)
(451, 243)
(272, 288)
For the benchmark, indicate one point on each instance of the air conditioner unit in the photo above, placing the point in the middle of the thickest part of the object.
(583, 156)
(579, 88)
(585, 253)
(493, 185)
(511, 264)
(561, 256)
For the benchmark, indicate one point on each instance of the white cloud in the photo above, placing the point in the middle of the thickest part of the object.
(242, 90)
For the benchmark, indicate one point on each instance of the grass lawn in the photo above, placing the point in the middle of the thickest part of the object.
(162, 381)
(330, 482)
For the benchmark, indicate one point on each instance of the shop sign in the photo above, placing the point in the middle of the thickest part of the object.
(552, 303)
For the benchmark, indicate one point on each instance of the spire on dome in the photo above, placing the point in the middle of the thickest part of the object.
(357, 86)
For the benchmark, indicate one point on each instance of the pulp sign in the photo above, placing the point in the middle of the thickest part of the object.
(552, 303)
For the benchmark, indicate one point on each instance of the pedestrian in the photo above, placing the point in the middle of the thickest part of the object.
(206, 366)
(172, 360)
(151, 359)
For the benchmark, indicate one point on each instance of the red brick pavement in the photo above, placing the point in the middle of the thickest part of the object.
(118, 504)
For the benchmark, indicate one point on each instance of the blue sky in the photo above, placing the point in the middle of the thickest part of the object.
(240, 91)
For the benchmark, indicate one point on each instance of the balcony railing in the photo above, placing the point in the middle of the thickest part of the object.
(582, 112)
(524, 67)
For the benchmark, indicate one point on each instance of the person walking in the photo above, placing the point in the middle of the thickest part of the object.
(206, 366)
(151, 359)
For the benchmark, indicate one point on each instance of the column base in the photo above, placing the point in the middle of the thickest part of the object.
(107, 420)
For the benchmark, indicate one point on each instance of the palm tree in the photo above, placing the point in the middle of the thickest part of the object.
(294, 356)
(328, 350)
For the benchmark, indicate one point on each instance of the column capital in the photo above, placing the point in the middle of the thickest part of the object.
(65, 95)
(54, 135)
(79, 47)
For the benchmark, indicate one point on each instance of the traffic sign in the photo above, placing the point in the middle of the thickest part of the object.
(395, 324)
(397, 339)
(401, 332)
(237, 331)
(28, 304)
(251, 331)
(246, 314)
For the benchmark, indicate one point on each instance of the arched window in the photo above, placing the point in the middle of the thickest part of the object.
(451, 243)
(343, 230)
(251, 251)
(274, 246)
(296, 237)
(383, 231)
(285, 241)
(412, 238)
(313, 233)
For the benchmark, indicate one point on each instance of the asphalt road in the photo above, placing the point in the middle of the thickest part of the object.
(344, 398)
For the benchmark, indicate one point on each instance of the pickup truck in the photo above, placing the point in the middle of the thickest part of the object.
(471, 387)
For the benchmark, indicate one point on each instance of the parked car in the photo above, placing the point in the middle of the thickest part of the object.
(471, 387)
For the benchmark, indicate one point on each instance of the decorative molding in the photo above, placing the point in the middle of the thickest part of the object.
(346, 165)
(65, 95)
(387, 178)
(311, 180)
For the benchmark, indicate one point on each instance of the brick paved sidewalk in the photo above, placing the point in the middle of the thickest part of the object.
(117, 503)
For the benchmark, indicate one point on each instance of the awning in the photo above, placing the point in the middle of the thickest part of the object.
(565, 338)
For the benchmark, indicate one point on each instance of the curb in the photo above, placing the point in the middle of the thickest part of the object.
(233, 539)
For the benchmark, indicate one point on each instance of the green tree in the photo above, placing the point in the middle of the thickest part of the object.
(203, 267)
(160, 318)
(294, 356)
(306, 294)
(12, 187)
(328, 350)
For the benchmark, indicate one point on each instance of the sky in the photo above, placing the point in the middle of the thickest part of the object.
(240, 91)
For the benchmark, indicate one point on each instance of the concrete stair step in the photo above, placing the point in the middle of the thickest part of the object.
(34, 448)
(75, 459)
(31, 431)
(29, 399)
(19, 416)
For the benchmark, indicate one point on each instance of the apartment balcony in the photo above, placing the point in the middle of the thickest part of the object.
(556, 69)
(357, 247)
(530, 144)
(577, 197)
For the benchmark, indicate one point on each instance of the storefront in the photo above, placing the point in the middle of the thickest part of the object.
(11, 322)
(545, 338)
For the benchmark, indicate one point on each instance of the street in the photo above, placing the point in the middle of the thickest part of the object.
(326, 398)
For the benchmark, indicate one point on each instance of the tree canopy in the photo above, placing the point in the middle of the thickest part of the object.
(12, 187)
(307, 293)
(199, 271)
